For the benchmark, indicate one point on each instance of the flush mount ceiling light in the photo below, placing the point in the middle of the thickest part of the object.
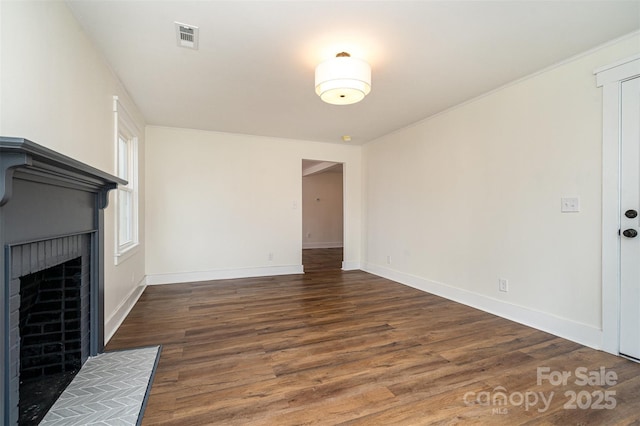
(343, 80)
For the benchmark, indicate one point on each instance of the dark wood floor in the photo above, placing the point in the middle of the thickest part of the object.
(324, 259)
(335, 347)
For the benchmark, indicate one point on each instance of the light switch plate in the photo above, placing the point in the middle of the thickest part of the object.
(570, 204)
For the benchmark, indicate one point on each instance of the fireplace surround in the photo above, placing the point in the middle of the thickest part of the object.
(51, 234)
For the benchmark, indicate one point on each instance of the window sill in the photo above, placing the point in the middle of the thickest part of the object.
(125, 254)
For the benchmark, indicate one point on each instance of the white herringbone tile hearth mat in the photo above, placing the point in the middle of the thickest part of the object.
(110, 389)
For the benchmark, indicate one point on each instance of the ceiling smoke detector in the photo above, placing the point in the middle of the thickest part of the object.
(187, 35)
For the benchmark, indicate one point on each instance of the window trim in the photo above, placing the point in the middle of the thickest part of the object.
(125, 126)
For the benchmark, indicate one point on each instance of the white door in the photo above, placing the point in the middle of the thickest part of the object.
(630, 220)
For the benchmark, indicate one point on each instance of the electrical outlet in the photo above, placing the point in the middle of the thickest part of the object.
(570, 204)
(503, 285)
(389, 259)
(270, 257)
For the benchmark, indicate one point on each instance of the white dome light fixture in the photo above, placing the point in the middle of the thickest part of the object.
(343, 80)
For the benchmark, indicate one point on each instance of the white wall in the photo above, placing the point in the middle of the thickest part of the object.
(57, 91)
(322, 205)
(223, 203)
(472, 195)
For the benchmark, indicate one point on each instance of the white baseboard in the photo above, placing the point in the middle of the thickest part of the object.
(221, 274)
(322, 245)
(114, 321)
(577, 332)
(350, 265)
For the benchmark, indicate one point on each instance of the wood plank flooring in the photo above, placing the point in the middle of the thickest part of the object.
(335, 347)
(324, 259)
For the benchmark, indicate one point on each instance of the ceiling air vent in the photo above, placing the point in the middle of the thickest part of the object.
(186, 35)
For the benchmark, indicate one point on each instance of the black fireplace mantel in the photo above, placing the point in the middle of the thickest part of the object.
(43, 164)
(45, 195)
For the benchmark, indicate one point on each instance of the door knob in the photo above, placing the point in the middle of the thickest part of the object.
(631, 214)
(630, 233)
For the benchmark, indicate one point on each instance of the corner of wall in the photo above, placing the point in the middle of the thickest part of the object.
(115, 320)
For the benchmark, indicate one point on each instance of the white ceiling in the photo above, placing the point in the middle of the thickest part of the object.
(254, 70)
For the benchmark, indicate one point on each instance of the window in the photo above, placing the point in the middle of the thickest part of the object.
(127, 195)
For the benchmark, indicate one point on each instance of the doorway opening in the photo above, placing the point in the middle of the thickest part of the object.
(322, 215)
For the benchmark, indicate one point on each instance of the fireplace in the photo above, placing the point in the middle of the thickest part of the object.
(51, 233)
(54, 319)
(51, 340)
